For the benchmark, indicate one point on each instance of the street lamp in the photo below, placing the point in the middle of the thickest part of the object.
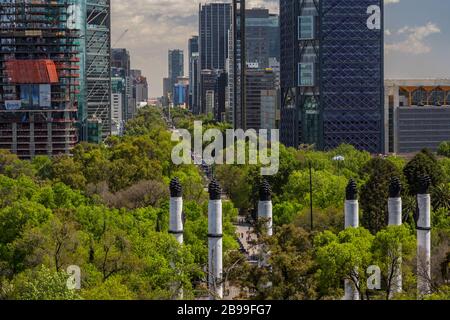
(339, 160)
(311, 194)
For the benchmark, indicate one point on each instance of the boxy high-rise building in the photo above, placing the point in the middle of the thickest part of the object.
(176, 67)
(40, 77)
(193, 73)
(214, 24)
(262, 36)
(332, 73)
(121, 66)
(417, 114)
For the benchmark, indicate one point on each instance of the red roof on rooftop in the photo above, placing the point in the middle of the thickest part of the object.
(31, 71)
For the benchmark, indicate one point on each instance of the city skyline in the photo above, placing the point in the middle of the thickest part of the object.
(416, 43)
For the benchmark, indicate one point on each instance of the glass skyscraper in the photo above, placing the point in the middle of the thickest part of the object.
(332, 73)
(214, 24)
(262, 36)
(176, 67)
(98, 65)
(193, 73)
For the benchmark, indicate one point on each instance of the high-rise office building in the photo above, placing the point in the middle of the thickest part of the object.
(193, 72)
(261, 98)
(118, 86)
(208, 79)
(332, 73)
(220, 95)
(98, 64)
(120, 59)
(181, 92)
(417, 115)
(167, 95)
(214, 24)
(176, 66)
(140, 86)
(262, 36)
(40, 77)
(237, 63)
(121, 65)
(262, 49)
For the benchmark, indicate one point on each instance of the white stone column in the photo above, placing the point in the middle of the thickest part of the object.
(176, 210)
(176, 219)
(265, 212)
(351, 221)
(424, 238)
(215, 239)
(265, 206)
(395, 219)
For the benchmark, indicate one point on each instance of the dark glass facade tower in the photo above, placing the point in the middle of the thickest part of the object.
(214, 24)
(176, 66)
(332, 73)
(98, 66)
(121, 66)
(193, 73)
(262, 36)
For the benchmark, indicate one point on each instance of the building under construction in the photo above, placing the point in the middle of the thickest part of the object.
(39, 87)
(97, 53)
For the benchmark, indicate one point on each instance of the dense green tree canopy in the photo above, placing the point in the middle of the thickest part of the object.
(105, 209)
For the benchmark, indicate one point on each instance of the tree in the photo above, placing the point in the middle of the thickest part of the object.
(345, 256)
(444, 149)
(233, 179)
(290, 274)
(13, 221)
(375, 193)
(57, 243)
(441, 197)
(42, 284)
(424, 163)
(393, 251)
(111, 289)
(285, 212)
(69, 172)
(328, 189)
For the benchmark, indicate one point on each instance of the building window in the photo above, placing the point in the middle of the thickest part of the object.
(306, 75)
(306, 27)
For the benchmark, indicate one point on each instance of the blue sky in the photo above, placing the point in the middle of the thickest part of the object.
(422, 47)
(417, 35)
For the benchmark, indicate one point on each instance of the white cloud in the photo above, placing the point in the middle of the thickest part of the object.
(415, 42)
(155, 26)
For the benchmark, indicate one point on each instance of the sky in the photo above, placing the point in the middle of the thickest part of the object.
(417, 35)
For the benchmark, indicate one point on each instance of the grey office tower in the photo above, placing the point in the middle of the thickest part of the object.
(214, 23)
(176, 67)
(193, 73)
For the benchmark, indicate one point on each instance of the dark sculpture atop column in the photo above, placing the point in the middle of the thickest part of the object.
(395, 188)
(352, 191)
(265, 191)
(424, 184)
(176, 190)
(215, 192)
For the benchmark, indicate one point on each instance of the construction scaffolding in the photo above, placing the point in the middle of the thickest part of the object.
(39, 82)
(98, 65)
